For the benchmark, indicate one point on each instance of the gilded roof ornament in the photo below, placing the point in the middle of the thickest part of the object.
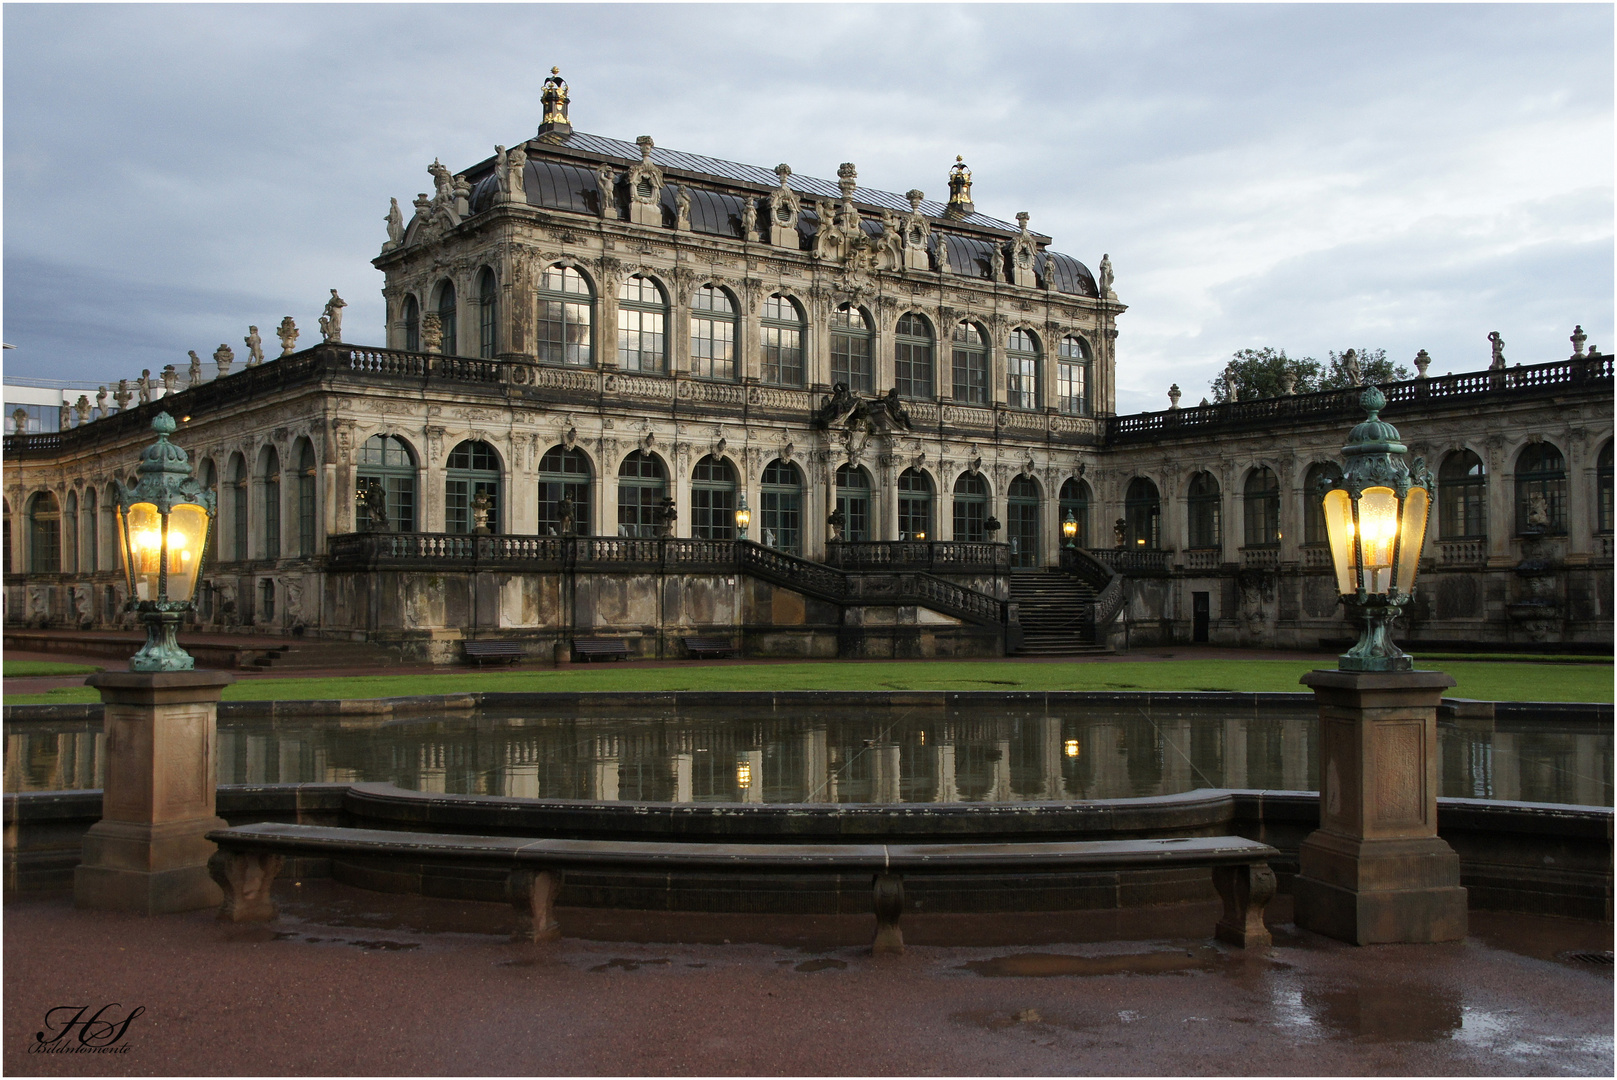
(960, 204)
(555, 100)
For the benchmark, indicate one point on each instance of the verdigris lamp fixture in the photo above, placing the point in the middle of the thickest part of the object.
(163, 530)
(743, 518)
(1069, 529)
(1375, 519)
(1376, 871)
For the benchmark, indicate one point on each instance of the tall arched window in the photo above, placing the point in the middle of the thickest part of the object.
(914, 505)
(782, 341)
(208, 476)
(1541, 477)
(781, 503)
(1142, 515)
(6, 553)
(1261, 502)
(1022, 370)
(44, 534)
(969, 349)
(307, 482)
(971, 508)
(270, 472)
(90, 526)
(853, 499)
(386, 462)
(1313, 504)
(851, 362)
(912, 357)
(446, 318)
(412, 324)
(1205, 505)
(713, 334)
(1603, 490)
(1072, 376)
(1462, 497)
(473, 469)
(713, 500)
(488, 312)
(238, 506)
(563, 473)
(566, 304)
(642, 323)
(642, 485)
(1022, 521)
(109, 528)
(1075, 501)
(70, 527)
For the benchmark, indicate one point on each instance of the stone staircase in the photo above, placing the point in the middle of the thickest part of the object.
(1057, 612)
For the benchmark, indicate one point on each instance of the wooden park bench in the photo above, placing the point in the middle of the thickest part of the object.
(250, 856)
(600, 649)
(708, 648)
(484, 651)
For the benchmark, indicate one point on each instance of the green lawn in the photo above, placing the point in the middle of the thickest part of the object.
(1485, 680)
(16, 669)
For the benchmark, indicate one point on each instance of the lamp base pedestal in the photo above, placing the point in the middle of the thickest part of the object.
(1376, 892)
(150, 869)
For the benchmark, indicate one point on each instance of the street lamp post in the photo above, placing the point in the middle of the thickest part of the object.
(1069, 529)
(1375, 871)
(743, 518)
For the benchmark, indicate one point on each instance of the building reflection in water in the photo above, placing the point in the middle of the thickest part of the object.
(924, 756)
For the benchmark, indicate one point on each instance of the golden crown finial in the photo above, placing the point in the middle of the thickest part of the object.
(555, 71)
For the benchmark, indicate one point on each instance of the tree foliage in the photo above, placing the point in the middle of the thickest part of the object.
(1260, 373)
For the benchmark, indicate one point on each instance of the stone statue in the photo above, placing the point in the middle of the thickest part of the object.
(64, 418)
(940, 252)
(331, 329)
(81, 409)
(194, 372)
(481, 504)
(1538, 514)
(667, 515)
(288, 333)
(81, 608)
(443, 185)
(1498, 344)
(169, 377)
(682, 208)
(1174, 394)
(224, 356)
(1106, 292)
(432, 332)
(395, 226)
(144, 385)
(375, 505)
(839, 407)
(1120, 529)
(606, 179)
(1231, 391)
(749, 218)
(1288, 383)
(893, 410)
(1350, 364)
(325, 328)
(566, 514)
(19, 421)
(836, 522)
(1578, 338)
(122, 396)
(1422, 362)
(101, 401)
(516, 163)
(255, 347)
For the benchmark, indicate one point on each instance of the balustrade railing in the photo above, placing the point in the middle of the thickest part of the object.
(1134, 562)
(1317, 557)
(1260, 558)
(949, 556)
(1462, 552)
(1203, 559)
(1603, 547)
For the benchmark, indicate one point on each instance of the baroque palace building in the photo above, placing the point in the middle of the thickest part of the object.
(598, 352)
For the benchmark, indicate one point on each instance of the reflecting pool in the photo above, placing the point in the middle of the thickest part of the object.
(924, 755)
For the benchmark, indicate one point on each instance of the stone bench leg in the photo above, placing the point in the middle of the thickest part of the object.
(1245, 890)
(533, 894)
(888, 903)
(246, 878)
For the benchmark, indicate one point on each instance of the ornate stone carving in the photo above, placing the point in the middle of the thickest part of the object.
(331, 320)
(432, 331)
(1498, 345)
(784, 209)
(223, 357)
(255, 347)
(194, 371)
(606, 184)
(288, 333)
(682, 209)
(645, 182)
(1020, 254)
(1105, 283)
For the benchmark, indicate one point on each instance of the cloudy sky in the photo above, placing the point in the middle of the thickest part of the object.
(1309, 177)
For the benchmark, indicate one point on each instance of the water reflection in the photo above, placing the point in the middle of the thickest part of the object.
(926, 756)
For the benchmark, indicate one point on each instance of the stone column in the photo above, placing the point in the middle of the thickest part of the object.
(149, 851)
(1376, 871)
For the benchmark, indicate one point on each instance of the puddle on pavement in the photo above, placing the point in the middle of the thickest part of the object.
(621, 963)
(374, 943)
(1388, 1012)
(823, 964)
(1042, 965)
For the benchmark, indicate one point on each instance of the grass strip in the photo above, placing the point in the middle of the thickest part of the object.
(20, 669)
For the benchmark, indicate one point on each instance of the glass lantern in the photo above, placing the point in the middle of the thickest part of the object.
(1069, 529)
(743, 518)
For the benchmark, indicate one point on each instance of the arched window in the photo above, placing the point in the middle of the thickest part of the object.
(1075, 501)
(850, 350)
(914, 505)
(44, 534)
(781, 499)
(853, 499)
(307, 481)
(412, 324)
(1462, 497)
(270, 472)
(713, 500)
(565, 306)
(1072, 376)
(1142, 515)
(385, 462)
(266, 600)
(90, 527)
(1022, 521)
(713, 334)
(446, 318)
(971, 508)
(912, 357)
(970, 365)
(473, 469)
(642, 319)
(1313, 504)
(109, 527)
(564, 473)
(1204, 503)
(1541, 479)
(6, 553)
(1022, 370)
(238, 500)
(488, 313)
(70, 527)
(1603, 491)
(782, 341)
(1261, 502)
(642, 484)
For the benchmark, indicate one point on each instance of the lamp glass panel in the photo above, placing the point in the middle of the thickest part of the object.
(1339, 531)
(1378, 532)
(743, 518)
(187, 533)
(1417, 505)
(142, 534)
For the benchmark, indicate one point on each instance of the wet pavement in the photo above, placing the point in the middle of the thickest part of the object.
(349, 981)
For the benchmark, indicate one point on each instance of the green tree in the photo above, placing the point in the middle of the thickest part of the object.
(1260, 373)
(1374, 368)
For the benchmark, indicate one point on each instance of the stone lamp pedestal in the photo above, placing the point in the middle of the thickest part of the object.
(149, 852)
(1376, 871)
